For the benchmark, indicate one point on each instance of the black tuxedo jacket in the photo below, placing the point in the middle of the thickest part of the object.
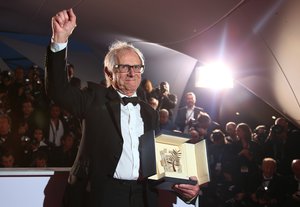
(275, 188)
(99, 108)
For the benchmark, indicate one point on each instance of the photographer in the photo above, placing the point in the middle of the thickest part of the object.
(6, 80)
(283, 145)
(200, 126)
(165, 99)
(33, 145)
(187, 113)
(8, 141)
(260, 134)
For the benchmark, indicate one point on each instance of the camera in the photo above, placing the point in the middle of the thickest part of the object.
(192, 123)
(163, 87)
(163, 90)
(277, 129)
(6, 75)
(27, 86)
(25, 139)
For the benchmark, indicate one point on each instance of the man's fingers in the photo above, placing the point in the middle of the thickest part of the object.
(59, 18)
(187, 193)
(55, 23)
(187, 190)
(63, 24)
(72, 16)
(66, 17)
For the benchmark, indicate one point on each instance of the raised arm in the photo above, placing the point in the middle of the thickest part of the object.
(56, 80)
(63, 24)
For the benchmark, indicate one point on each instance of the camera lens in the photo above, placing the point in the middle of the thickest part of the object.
(277, 129)
(25, 139)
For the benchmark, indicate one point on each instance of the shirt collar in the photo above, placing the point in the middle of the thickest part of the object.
(122, 95)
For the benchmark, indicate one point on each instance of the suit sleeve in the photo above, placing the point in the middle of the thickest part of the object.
(58, 88)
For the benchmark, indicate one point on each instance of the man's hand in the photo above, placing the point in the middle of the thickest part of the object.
(187, 191)
(63, 24)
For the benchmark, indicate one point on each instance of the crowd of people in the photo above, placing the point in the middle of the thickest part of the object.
(35, 132)
(248, 167)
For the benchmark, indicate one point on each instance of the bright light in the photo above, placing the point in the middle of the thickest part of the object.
(215, 76)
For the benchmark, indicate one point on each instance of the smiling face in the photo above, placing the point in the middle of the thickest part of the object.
(126, 83)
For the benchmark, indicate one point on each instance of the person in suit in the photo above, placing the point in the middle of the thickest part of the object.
(266, 186)
(282, 144)
(188, 113)
(108, 155)
(166, 99)
(292, 185)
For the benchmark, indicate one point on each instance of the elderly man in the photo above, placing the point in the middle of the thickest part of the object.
(114, 119)
(266, 187)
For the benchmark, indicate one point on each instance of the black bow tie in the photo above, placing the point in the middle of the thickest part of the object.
(133, 100)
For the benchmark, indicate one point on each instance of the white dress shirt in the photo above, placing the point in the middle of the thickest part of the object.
(132, 127)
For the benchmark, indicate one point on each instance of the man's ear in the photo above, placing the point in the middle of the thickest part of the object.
(108, 73)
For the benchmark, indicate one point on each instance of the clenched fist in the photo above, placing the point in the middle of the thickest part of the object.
(63, 24)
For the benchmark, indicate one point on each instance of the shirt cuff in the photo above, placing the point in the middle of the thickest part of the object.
(192, 200)
(56, 47)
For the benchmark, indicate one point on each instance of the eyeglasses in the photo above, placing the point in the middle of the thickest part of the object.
(125, 68)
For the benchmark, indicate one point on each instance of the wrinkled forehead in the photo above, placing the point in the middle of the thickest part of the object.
(268, 164)
(127, 56)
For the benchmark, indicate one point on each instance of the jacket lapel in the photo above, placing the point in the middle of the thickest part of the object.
(148, 116)
(113, 107)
